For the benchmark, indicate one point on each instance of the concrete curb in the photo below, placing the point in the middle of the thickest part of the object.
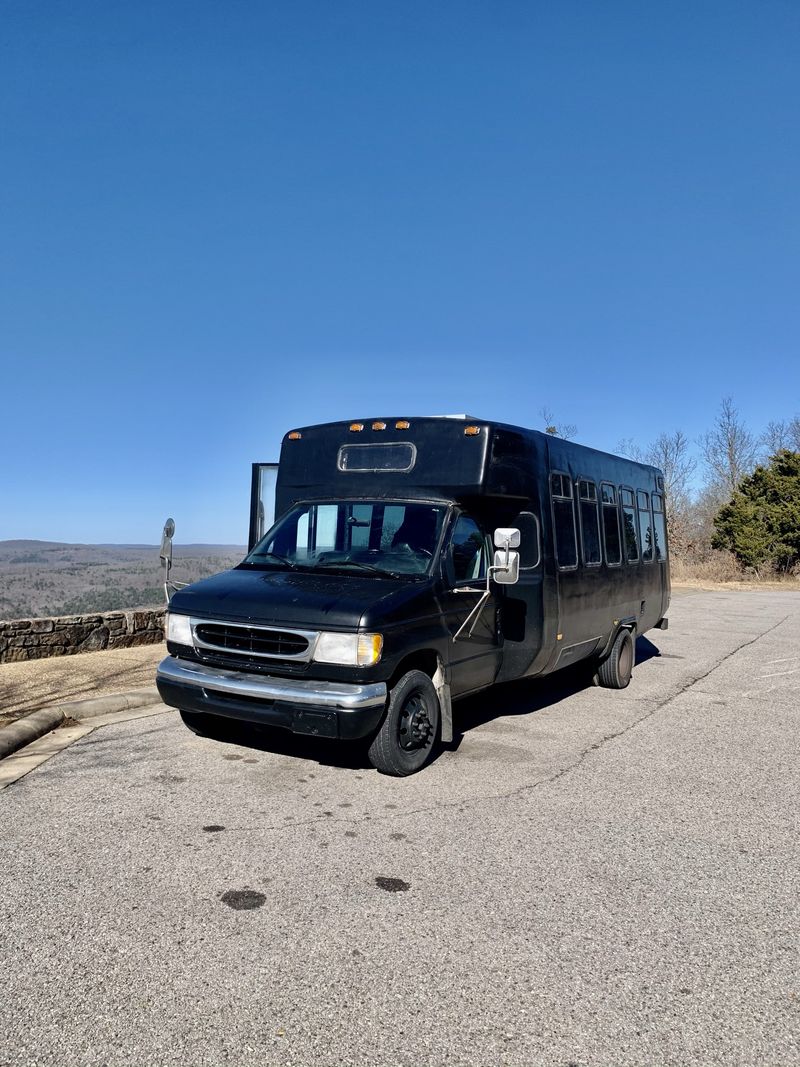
(30, 728)
(87, 709)
(37, 723)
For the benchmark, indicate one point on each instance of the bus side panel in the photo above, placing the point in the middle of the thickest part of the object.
(591, 599)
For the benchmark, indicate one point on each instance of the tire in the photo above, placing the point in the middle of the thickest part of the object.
(616, 669)
(410, 728)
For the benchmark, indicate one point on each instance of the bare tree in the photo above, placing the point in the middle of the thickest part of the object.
(776, 436)
(557, 429)
(783, 433)
(729, 450)
(670, 453)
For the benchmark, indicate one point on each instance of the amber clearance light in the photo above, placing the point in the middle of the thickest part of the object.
(472, 431)
(379, 426)
(356, 427)
(402, 424)
(295, 435)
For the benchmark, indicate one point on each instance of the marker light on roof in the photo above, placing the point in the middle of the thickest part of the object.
(402, 424)
(472, 431)
(356, 427)
(379, 426)
(295, 435)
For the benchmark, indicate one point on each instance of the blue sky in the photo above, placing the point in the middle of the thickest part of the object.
(222, 220)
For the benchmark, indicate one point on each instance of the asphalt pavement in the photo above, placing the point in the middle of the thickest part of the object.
(586, 877)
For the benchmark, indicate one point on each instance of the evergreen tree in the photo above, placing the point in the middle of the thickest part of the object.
(761, 524)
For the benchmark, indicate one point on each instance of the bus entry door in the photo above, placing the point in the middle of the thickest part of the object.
(475, 653)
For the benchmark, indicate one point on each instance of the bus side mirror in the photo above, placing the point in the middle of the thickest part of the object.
(505, 570)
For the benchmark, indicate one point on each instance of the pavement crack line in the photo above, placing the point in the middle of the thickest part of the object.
(530, 786)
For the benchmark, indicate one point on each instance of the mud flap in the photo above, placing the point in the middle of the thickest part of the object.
(445, 703)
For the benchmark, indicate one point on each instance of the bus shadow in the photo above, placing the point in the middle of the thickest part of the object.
(327, 752)
(525, 697)
(531, 695)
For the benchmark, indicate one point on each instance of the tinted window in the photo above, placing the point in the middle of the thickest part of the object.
(564, 522)
(645, 527)
(590, 523)
(608, 494)
(629, 525)
(561, 485)
(467, 558)
(528, 526)
(659, 527)
(611, 534)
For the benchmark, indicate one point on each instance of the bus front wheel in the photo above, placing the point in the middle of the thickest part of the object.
(616, 669)
(410, 728)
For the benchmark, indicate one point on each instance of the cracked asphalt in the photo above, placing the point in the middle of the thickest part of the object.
(585, 878)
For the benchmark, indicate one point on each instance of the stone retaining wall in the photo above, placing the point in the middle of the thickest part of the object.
(22, 639)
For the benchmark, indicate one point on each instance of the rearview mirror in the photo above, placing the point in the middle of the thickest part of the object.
(506, 562)
(166, 540)
(506, 567)
(506, 537)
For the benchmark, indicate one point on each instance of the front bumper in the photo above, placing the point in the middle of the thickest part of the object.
(324, 709)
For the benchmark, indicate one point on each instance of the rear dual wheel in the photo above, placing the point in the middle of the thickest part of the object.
(617, 668)
(410, 729)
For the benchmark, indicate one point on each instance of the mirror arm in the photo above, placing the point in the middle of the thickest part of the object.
(472, 619)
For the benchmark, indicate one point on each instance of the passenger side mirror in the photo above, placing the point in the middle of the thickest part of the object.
(166, 542)
(506, 537)
(505, 570)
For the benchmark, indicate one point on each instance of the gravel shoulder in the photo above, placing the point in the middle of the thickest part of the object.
(39, 683)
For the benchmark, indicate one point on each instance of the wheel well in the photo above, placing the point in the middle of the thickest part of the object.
(426, 661)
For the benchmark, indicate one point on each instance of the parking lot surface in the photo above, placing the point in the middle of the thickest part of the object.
(586, 877)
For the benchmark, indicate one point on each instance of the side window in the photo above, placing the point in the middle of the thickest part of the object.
(645, 526)
(590, 523)
(612, 540)
(529, 549)
(466, 560)
(564, 521)
(659, 527)
(629, 525)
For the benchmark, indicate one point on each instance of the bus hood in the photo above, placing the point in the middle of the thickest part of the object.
(296, 598)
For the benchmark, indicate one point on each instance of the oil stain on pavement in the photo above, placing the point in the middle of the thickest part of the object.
(243, 899)
(392, 885)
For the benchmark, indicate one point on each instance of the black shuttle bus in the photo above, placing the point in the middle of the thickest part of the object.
(415, 561)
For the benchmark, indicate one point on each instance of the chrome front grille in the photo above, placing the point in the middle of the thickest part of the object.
(261, 641)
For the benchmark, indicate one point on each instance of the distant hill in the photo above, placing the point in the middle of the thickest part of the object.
(52, 578)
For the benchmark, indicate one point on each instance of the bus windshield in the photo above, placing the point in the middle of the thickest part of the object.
(393, 538)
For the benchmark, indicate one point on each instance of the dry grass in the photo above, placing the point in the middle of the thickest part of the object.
(719, 570)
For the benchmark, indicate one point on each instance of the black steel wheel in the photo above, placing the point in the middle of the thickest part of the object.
(616, 669)
(410, 729)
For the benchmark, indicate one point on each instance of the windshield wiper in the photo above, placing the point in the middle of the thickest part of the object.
(359, 564)
(272, 555)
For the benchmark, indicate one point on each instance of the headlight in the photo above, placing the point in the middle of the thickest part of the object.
(349, 650)
(179, 629)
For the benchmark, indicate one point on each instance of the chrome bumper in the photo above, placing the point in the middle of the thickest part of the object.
(328, 695)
